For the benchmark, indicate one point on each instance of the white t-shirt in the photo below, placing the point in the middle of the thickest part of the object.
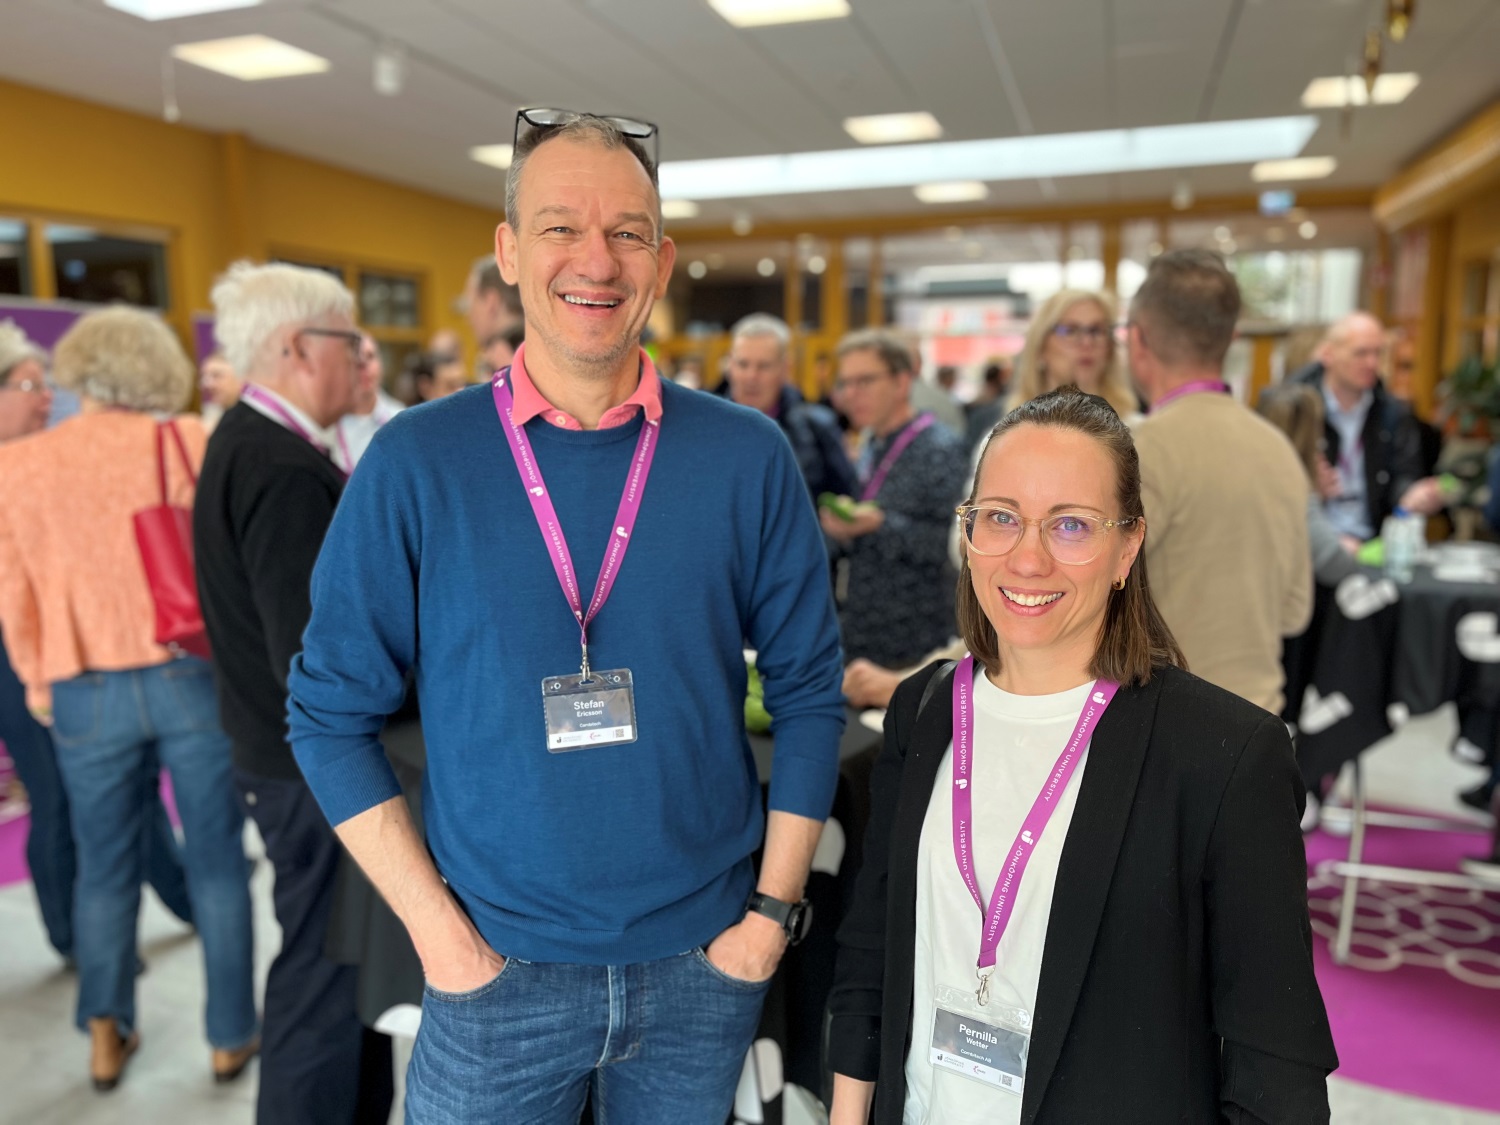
(1017, 740)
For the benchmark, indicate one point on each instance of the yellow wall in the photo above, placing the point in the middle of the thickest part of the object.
(221, 196)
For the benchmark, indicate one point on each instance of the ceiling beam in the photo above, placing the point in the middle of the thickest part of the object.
(874, 225)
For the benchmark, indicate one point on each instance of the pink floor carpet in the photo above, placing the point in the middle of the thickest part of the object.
(1418, 1008)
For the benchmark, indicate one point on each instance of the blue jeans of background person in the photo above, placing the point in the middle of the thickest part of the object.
(109, 728)
(313, 1065)
(49, 839)
(654, 1042)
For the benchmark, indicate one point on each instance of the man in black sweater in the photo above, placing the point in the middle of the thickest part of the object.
(265, 498)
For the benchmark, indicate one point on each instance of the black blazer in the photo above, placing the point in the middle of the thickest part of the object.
(1177, 976)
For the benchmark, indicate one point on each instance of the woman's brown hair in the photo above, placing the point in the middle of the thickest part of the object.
(1297, 411)
(1134, 640)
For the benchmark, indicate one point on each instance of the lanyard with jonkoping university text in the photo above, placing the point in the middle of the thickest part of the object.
(260, 397)
(893, 454)
(1196, 387)
(551, 527)
(1007, 884)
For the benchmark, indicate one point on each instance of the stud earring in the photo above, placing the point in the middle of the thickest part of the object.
(1120, 582)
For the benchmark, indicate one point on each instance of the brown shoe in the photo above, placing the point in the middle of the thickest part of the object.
(110, 1052)
(229, 1065)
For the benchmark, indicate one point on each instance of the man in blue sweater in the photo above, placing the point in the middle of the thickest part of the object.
(570, 561)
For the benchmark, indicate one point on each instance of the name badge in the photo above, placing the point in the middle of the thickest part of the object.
(991, 1049)
(579, 713)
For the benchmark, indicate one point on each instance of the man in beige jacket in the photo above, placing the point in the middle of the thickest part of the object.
(1225, 496)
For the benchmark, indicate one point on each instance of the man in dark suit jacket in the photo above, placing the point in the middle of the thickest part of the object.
(1373, 443)
(265, 498)
(760, 364)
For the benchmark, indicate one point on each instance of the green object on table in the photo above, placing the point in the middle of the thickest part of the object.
(1371, 553)
(1449, 485)
(757, 718)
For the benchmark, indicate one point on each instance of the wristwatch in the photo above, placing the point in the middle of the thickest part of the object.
(795, 918)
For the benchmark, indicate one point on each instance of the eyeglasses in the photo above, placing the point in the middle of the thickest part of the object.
(1078, 333)
(1070, 537)
(540, 119)
(860, 382)
(352, 340)
(29, 386)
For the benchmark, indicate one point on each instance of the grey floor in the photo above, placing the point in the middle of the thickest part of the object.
(44, 1063)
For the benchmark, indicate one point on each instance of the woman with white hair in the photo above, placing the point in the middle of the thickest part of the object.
(1071, 342)
(80, 623)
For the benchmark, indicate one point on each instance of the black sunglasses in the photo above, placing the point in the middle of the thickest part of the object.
(541, 119)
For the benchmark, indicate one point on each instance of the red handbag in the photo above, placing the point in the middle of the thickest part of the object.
(164, 535)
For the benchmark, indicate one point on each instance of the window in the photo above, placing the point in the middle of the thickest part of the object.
(388, 301)
(15, 259)
(100, 268)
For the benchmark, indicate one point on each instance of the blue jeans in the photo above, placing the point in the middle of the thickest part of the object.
(50, 855)
(661, 1041)
(110, 727)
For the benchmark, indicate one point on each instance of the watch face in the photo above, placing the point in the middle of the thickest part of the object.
(799, 922)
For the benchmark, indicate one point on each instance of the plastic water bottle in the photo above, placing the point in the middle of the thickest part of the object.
(1396, 533)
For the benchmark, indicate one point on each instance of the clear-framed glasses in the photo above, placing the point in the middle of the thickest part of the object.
(860, 382)
(1082, 333)
(547, 118)
(1072, 538)
(29, 386)
(352, 340)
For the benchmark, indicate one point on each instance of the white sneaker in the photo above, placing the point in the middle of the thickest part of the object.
(1312, 814)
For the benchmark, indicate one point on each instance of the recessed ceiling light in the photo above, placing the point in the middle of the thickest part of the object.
(679, 209)
(891, 128)
(172, 9)
(1200, 144)
(1301, 168)
(496, 156)
(765, 267)
(743, 224)
(697, 270)
(763, 13)
(1308, 229)
(251, 58)
(817, 264)
(951, 191)
(1342, 90)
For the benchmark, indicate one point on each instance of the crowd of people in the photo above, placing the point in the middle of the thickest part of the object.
(581, 892)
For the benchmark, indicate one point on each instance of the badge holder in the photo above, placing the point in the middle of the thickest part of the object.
(985, 1043)
(589, 709)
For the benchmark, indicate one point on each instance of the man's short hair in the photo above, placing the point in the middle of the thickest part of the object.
(763, 325)
(583, 127)
(487, 279)
(891, 349)
(513, 335)
(1188, 307)
(252, 302)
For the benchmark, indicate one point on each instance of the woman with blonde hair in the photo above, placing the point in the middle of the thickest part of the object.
(1071, 341)
(80, 624)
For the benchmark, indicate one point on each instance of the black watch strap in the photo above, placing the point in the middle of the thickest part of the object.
(795, 918)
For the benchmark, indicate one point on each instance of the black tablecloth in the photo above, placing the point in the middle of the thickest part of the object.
(1378, 651)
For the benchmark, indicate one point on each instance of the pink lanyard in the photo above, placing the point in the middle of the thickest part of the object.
(551, 527)
(893, 454)
(256, 395)
(1002, 902)
(1197, 387)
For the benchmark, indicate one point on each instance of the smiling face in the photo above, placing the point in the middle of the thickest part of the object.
(584, 250)
(1043, 611)
(1079, 353)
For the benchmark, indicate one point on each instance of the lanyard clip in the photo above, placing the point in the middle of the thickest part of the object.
(584, 673)
(982, 993)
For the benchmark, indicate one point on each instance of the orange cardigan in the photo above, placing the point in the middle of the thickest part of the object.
(73, 593)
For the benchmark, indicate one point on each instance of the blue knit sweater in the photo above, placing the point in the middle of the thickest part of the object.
(434, 563)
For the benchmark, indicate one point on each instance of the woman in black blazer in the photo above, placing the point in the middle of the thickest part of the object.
(1154, 963)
